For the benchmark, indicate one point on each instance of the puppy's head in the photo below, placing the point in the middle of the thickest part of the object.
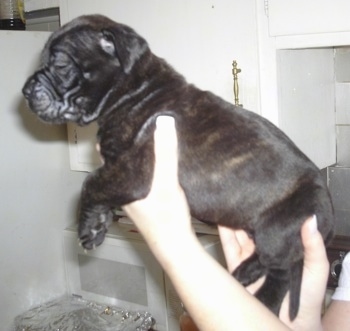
(82, 64)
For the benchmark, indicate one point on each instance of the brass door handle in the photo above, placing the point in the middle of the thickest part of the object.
(235, 72)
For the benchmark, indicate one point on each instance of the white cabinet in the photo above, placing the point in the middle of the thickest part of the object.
(200, 39)
(306, 101)
(296, 87)
(311, 23)
(298, 17)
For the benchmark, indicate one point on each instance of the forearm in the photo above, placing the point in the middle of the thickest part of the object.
(204, 285)
(337, 316)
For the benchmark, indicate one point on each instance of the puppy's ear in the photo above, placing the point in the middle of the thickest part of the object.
(124, 44)
(107, 42)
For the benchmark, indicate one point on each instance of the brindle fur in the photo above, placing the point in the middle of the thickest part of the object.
(237, 169)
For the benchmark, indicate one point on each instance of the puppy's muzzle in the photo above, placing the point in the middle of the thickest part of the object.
(37, 94)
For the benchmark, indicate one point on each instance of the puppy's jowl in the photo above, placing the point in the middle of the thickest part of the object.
(237, 169)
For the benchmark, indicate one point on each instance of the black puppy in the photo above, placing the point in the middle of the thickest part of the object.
(236, 168)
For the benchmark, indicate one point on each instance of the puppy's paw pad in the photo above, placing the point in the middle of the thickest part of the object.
(93, 226)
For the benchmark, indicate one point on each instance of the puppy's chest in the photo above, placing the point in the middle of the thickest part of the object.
(115, 141)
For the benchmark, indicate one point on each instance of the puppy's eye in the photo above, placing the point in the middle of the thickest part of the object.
(60, 60)
(62, 69)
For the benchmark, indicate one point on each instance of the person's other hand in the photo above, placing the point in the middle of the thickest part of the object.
(238, 246)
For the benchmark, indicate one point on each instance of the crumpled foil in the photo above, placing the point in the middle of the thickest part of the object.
(77, 314)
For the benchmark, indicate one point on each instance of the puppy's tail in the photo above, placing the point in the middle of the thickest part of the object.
(295, 287)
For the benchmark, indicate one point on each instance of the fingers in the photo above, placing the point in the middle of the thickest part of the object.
(314, 280)
(315, 256)
(237, 246)
(316, 265)
(230, 246)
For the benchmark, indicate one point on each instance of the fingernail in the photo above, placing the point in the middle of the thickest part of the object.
(313, 224)
(165, 122)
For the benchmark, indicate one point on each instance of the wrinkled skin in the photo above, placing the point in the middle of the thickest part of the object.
(236, 168)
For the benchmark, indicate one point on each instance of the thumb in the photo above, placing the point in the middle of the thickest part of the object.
(315, 256)
(166, 153)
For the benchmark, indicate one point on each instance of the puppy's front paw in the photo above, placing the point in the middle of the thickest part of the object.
(93, 227)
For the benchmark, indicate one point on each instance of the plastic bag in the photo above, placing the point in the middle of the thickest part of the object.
(76, 314)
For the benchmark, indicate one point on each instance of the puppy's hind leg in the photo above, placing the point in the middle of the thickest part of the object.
(276, 284)
(249, 270)
(274, 289)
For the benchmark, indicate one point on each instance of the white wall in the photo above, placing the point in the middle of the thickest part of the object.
(199, 38)
(38, 192)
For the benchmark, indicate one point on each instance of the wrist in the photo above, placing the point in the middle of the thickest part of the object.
(177, 250)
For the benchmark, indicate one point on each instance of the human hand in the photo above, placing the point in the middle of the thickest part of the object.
(151, 215)
(314, 281)
(238, 246)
